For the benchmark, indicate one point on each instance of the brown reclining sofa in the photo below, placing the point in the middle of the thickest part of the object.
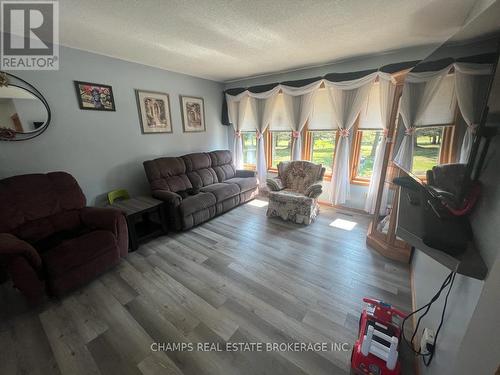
(196, 187)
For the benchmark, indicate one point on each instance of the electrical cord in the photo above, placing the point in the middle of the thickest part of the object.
(427, 363)
(448, 281)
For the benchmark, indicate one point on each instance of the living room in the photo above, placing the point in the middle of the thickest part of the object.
(220, 188)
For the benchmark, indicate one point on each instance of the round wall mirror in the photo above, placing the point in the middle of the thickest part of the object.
(24, 112)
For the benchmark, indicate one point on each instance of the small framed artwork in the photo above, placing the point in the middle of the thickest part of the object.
(193, 114)
(154, 111)
(95, 96)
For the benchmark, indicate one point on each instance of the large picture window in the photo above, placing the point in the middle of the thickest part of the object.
(364, 153)
(427, 147)
(281, 147)
(249, 149)
(323, 148)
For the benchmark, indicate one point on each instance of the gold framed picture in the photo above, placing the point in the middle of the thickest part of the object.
(154, 111)
(193, 114)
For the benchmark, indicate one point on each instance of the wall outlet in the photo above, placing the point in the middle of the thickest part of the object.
(427, 338)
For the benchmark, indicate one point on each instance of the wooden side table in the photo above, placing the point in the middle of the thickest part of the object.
(140, 212)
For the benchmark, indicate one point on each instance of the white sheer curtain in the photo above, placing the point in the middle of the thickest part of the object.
(418, 91)
(387, 89)
(299, 106)
(262, 110)
(471, 85)
(346, 99)
(236, 109)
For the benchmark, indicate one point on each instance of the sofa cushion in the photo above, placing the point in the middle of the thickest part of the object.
(196, 202)
(199, 169)
(245, 183)
(202, 177)
(222, 164)
(222, 191)
(167, 174)
(78, 251)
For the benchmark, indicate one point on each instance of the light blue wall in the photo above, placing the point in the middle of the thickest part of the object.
(105, 150)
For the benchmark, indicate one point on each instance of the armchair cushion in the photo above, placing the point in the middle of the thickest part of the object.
(275, 184)
(292, 206)
(245, 173)
(78, 251)
(314, 190)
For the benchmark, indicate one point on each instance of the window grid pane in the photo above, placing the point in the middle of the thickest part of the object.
(249, 147)
(427, 149)
(367, 149)
(282, 147)
(323, 148)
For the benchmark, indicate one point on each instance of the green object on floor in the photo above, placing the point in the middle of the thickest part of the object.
(117, 195)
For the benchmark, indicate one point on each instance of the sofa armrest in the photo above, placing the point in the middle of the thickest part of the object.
(11, 246)
(245, 173)
(172, 199)
(275, 184)
(314, 190)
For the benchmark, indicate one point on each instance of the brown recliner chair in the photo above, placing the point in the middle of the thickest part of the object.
(47, 234)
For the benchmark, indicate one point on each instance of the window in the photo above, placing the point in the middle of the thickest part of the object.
(323, 148)
(364, 153)
(249, 149)
(281, 147)
(427, 148)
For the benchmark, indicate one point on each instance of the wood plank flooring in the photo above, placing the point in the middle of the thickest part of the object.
(239, 278)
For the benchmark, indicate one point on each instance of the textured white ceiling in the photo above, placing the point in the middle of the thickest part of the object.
(229, 39)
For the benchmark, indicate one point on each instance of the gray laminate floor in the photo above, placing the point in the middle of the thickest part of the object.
(240, 278)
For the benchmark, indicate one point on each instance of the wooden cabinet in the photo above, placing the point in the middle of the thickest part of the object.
(381, 234)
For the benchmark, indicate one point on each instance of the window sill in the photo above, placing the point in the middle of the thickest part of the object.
(360, 181)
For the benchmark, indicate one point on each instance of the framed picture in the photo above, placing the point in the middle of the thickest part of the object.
(154, 111)
(95, 96)
(193, 114)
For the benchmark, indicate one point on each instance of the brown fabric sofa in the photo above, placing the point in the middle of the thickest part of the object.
(196, 187)
(47, 234)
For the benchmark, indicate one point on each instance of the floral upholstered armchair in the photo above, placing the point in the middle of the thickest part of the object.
(293, 194)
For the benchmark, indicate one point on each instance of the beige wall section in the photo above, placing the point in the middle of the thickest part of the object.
(105, 150)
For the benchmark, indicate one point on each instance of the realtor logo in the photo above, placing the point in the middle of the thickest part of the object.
(30, 35)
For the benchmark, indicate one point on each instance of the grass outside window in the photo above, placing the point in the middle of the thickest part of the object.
(323, 148)
(427, 148)
(281, 147)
